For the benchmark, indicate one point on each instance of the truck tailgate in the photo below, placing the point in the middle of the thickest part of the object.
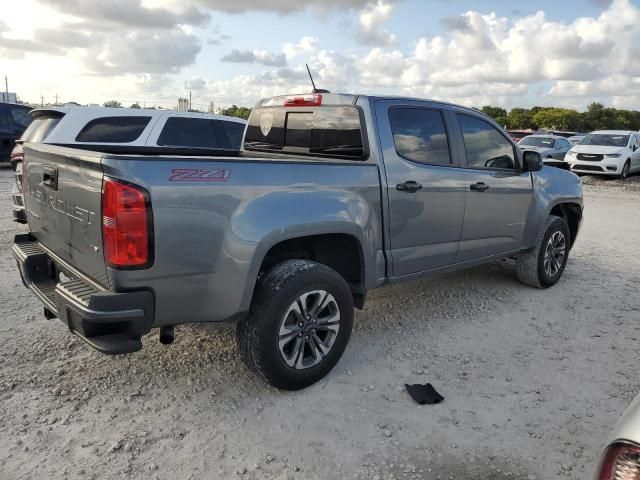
(63, 194)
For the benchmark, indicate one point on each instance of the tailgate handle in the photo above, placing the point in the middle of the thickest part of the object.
(50, 177)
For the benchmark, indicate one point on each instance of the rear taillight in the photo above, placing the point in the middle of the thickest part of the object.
(126, 225)
(621, 461)
(17, 156)
(311, 100)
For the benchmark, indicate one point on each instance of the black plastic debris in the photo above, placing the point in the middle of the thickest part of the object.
(424, 394)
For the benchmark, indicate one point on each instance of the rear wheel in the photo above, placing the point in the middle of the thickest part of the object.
(543, 266)
(298, 326)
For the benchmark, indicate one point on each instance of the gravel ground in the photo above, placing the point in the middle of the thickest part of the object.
(534, 380)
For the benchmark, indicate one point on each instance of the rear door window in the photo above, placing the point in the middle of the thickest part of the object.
(113, 129)
(189, 132)
(419, 135)
(485, 146)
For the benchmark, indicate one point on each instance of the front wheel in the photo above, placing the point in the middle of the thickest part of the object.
(299, 324)
(543, 266)
(625, 170)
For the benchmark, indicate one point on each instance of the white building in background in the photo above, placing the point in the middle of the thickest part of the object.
(12, 98)
(183, 104)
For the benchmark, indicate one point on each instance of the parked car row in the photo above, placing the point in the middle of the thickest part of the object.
(14, 119)
(117, 129)
(603, 152)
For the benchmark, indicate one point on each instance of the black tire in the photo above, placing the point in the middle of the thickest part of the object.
(625, 170)
(531, 266)
(276, 292)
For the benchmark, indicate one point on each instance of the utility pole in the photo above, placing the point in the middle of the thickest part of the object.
(42, 100)
(6, 87)
(189, 98)
(56, 99)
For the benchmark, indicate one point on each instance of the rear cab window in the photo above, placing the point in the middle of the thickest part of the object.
(325, 131)
(125, 129)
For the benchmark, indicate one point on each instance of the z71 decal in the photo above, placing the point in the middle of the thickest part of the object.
(199, 175)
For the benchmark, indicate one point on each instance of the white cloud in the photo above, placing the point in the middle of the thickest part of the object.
(479, 58)
(132, 13)
(281, 6)
(143, 52)
(195, 83)
(307, 45)
(372, 19)
(261, 57)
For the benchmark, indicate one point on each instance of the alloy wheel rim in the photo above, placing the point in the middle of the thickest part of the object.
(554, 254)
(309, 329)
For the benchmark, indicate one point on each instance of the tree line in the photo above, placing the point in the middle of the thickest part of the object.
(596, 117)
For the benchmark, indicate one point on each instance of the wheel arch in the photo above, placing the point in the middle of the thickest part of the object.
(572, 213)
(340, 247)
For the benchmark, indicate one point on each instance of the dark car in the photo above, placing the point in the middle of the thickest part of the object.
(14, 119)
(517, 135)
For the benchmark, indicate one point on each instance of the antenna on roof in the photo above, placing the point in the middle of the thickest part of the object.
(315, 90)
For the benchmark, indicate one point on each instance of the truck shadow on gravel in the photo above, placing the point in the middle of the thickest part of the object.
(463, 466)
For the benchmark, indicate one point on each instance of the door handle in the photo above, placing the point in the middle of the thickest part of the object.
(409, 186)
(479, 187)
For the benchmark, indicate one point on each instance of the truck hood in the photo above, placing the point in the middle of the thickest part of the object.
(597, 149)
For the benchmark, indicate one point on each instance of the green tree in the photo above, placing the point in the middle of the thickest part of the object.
(497, 113)
(557, 118)
(135, 105)
(599, 117)
(520, 118)
(112, 103)
(235, 111)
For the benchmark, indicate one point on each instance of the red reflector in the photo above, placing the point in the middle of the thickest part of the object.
(125, 225)
(621, 462)
(312, 100)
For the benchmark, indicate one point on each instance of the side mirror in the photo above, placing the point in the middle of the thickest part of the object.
(532, 161)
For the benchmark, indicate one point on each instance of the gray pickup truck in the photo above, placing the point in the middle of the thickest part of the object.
(331, 196)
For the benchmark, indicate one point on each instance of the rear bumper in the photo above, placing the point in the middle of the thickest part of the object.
(112, 323)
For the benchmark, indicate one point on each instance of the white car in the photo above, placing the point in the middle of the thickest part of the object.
(620, 459)
(606, 152)
(126, 130)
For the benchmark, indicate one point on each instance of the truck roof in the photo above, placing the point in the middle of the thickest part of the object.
(97, 112)
(351, 98)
